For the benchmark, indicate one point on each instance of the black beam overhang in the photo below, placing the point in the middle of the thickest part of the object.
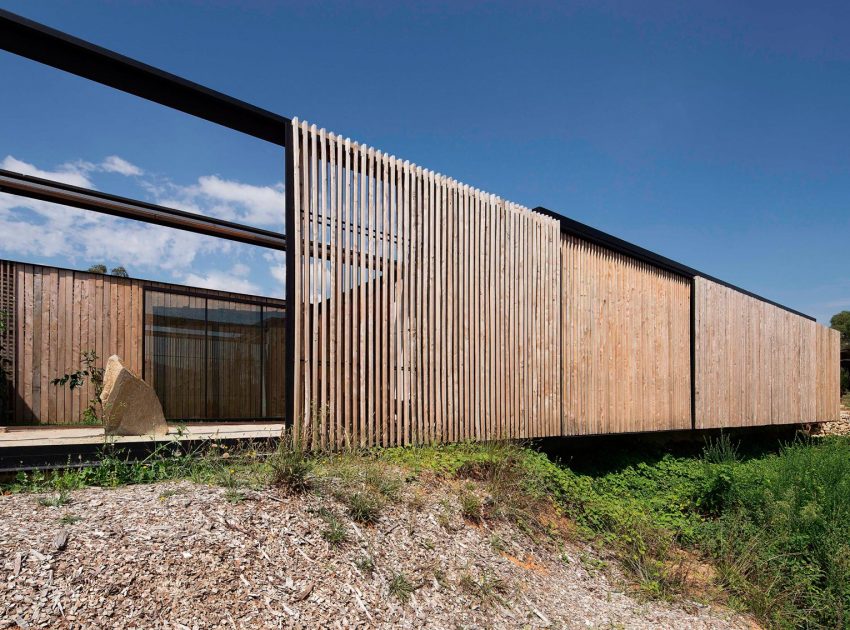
(65, 194)
(591, 234)
(40, 43)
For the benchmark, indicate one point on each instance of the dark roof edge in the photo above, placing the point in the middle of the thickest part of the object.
(591, 234)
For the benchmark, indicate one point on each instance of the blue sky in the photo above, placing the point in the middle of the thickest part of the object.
(717, 135)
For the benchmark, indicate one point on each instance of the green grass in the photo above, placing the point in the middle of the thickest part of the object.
(365, 507)
(400, 587)
(781, 537)
(470, 506)
(55, 501)
(335, 531)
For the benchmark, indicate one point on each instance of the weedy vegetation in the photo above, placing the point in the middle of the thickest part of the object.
(400, 587)
(767, 523)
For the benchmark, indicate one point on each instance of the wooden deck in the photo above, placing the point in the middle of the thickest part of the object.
(48, 436)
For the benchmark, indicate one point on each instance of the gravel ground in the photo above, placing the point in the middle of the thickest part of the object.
(179, 555)
(839, 427)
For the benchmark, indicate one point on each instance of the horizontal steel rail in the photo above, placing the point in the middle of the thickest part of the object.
(65, 194)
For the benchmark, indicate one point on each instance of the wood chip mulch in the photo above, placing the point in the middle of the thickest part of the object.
(180, 555)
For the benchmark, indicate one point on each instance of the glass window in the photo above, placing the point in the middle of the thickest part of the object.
(274, 356)
(214, 359)
(235, 360)
(174, 353)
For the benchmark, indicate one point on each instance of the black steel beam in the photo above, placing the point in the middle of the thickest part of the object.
(65, 194)
(591, 234)
(54, 48)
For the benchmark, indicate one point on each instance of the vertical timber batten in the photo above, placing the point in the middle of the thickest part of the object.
(293, 280)
(419, 267)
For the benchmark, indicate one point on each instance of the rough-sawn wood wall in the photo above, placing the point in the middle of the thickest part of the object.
(625, 343)
(758, 364)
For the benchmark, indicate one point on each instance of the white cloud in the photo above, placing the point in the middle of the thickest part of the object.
(115, 164)
(53, 230)
(277, 270)
(240, 270)
(222, 198)
(67, 173)
(234, 280)
(261, 205)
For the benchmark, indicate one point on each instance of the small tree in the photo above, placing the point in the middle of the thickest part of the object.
(93, 414)
(120, 272)
(841, 323)
(97, 269)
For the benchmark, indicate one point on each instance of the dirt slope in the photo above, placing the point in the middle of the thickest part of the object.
(180, 555)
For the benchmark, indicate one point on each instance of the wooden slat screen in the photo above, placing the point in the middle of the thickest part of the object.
(60, 313)
(7, 340)
(626, 343)
(757, 364)
(425, 310)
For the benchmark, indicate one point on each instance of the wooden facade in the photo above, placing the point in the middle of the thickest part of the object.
(757, 364)
(60, 313)
(419, 309)
(425, 310)
(625, 342)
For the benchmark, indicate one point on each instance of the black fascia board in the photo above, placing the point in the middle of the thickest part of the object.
(593, 235)
(54, 48)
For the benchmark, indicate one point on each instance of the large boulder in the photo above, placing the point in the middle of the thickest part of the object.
(130, 406)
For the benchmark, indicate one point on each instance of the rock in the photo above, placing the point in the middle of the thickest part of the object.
(60, 540)
(130, 406)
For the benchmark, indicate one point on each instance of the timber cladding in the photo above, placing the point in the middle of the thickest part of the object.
(424, 310)
(60, 313)
(7, 340)
(757, 364)
(625, 343)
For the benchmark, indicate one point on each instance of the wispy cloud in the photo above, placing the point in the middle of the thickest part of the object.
(225, 199)
(115, 164)
(234, 280)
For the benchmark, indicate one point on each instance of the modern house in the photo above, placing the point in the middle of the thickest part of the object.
(417, 308)
(209, 355)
